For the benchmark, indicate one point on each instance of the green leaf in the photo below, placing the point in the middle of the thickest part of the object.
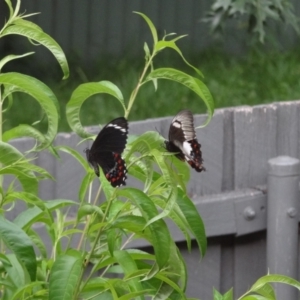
(30, 216)
(85, 183)
(81, 93)
(10, 155)
(193, 219)
(89, 209)
(274, 278)
(128, 265)
(75, 154)
(16, 272)
(171, 44)
(159, 231)
(38, 242)
(151, 26)
(31, 289)
(59, 203)
(22, 131)
(11, 57)
(18, 242)
(40, 92)
(65, 276)
(192, 83)
(32, 32)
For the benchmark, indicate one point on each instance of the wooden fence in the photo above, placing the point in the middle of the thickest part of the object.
(92, 28)
(237, 145)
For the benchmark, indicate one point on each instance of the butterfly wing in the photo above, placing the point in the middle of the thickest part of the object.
(107, 149)
(183, 140)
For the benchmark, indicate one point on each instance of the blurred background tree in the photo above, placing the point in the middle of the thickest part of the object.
(254, 15)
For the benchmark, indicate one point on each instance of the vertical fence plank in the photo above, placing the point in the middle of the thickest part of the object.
(116, 27)
(80, 26)
(134, 30)
(46, 18)
(62, 15)
(211, 140)
(255, 142)
(228, 151)
(98, 27)
(288, 128)
(249, 261)
(205, 274)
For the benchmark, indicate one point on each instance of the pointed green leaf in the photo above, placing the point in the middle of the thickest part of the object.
(151, 26)
(81, 93)
(18, 242)
(82, 160)
(128, 265)
(194, 220)
(159, 231)
(192, 83)
(274, 278)
(65, 276)
(10, 155)
(11, 57)
(33, 33)
(40, 92)
(22, 131)
(171, 44)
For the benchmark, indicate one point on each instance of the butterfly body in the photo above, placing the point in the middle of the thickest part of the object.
(183, 140)
(107, 149)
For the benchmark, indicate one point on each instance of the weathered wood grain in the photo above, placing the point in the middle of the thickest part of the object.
(288, 128)
(204, 274)
(61, 27)
(75, 24)
(255, 142)
(211, 139)
(228, 150)
(249, 261)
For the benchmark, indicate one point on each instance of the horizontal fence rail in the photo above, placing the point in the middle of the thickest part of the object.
(231, 195)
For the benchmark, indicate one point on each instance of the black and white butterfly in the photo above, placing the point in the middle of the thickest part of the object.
(107, 149)
(183, 140)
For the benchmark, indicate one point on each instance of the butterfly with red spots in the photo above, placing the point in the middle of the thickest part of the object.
(107, 149)
(183, 140)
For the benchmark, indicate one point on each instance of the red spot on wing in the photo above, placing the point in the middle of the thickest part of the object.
(117, 175)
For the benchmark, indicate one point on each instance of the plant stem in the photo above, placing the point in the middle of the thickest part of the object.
(94, 245)
(140, 83)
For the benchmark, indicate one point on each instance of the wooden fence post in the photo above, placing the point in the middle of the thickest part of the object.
(282, 221)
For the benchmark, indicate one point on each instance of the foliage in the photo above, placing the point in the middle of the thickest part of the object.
(102, 265)
(259, 13)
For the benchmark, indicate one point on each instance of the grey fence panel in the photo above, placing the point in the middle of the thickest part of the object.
(227, 263)
(288, 128)
(236, 147)
(63, 15)
(211, 139)
(46, 17)
(203, 274)
(93, 28)
(80, 27)
(255, 142)
(249, 261)
(228, 151)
